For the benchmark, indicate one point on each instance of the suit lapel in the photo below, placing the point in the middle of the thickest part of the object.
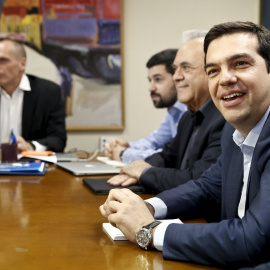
(234, 182)
(203, 130)
(260, 157)
(184, 135)
(28, 112)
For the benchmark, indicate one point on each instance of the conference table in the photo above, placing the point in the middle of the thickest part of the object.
(53, 222)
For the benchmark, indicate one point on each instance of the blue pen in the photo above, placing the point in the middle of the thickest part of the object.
(12, 138)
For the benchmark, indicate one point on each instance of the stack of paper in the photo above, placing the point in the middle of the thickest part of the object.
(114, 163)
(47, 156)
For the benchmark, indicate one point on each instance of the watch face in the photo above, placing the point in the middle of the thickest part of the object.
(143, 237)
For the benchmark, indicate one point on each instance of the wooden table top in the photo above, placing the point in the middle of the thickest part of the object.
(53, 222)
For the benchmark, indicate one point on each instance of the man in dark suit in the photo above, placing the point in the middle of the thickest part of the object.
(32, 107)
(237, 63)
(197, 143)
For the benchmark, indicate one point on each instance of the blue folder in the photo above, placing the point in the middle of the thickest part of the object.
(26, 168)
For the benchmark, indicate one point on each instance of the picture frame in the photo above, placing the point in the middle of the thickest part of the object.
(264, 13)
(82, 39)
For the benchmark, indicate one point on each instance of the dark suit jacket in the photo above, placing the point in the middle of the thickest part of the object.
(43, 118)
(205, 151)
(232, 242)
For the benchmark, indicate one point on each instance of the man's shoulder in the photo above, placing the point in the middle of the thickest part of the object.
(34, 80)
(179, 106)
(264, 135)
(211, 112)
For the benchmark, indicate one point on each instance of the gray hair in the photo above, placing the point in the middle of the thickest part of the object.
(192, 34)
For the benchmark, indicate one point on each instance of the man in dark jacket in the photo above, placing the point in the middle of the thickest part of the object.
(32, 107)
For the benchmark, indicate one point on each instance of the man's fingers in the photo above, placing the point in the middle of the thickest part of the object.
(103, 211)
(129, 181)
(117, 180)
(119, 195)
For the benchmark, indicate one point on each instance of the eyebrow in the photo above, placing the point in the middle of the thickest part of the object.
(182, 64)
(154, 76)
(231, 58)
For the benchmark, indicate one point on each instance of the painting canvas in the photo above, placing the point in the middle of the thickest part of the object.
(81, 38)
(265, 9)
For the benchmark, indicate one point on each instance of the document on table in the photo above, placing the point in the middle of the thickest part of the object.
(35, 155)
(116, 235)
(114, 163)
(25, 168)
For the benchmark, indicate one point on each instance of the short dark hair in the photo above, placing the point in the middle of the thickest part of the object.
(228, 28)
(165, 57)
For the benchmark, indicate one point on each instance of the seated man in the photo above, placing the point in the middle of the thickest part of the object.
(197, 143)
(237, 63)
(164, 95)
(30, 106)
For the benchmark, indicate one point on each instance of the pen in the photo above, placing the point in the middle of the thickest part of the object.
(12, 138)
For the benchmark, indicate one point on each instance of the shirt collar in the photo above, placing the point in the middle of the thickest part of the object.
(203, 108)
(178, 106)
(25, 84)
(253, 135)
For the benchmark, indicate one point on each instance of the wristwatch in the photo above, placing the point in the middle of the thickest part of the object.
(144, 236)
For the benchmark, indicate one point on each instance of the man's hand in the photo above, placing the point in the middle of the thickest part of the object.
(135, 168)
(122, 180)
(130, 174)
(126, 211)
(116, 151)
(114, 147)
(23, 145)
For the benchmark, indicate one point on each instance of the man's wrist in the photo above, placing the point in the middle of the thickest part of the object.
(121, 153)
(152, 240)
(32, 145)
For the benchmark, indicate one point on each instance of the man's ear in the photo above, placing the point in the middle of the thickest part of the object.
(23, 64)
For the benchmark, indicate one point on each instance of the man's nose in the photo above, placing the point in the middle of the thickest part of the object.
(227, 77)
(178, 75)
(152, 86)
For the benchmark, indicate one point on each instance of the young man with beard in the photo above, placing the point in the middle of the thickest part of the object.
(164, 95)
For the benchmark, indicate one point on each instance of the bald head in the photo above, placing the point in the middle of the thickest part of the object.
(16, 47)
(12, 64)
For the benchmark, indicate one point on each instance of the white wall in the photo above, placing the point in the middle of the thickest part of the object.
(150, 26)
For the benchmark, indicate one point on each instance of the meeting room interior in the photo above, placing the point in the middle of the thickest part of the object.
(52, 220)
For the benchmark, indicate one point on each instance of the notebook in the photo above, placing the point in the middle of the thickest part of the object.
(88, 168)
(115, 234)
(101, 187)
(25, 168)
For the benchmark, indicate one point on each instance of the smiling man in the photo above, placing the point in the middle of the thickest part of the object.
(237, 61)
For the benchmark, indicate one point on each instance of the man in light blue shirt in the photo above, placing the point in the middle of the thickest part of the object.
(164, 95)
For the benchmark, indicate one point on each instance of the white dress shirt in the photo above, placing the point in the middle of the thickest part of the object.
(11, 112)
(247, 146)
